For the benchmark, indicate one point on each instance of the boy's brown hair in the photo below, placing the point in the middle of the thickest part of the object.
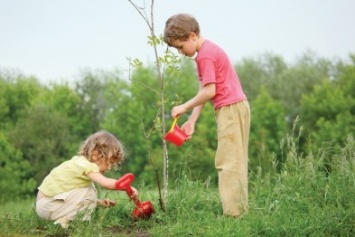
(179, 27)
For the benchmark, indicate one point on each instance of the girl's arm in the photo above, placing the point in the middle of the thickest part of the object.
(102, 180)
(108, 183)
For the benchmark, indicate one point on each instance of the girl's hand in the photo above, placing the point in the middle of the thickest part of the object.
(105, 203)
(134, 195)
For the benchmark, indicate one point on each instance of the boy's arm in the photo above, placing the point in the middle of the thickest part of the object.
(204, 94)
(195, 114)
(189, 125)
(196, 111)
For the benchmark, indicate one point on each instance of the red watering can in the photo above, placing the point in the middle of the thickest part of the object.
(176, 135)
(143, 210)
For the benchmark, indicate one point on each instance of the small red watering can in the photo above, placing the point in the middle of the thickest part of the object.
(176, 135)
(143, 210)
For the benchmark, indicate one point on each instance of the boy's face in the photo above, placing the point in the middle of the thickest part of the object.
(187, 47)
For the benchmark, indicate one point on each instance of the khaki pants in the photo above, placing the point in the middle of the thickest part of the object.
(231, 161)
(68, 205)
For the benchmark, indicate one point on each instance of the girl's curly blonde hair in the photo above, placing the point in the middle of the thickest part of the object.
(106, 145)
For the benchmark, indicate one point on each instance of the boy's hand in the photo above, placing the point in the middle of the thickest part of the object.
(105, 203)
(178, 110)
(189, 128)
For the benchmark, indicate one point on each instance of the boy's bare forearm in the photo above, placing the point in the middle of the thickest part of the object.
(205, 94)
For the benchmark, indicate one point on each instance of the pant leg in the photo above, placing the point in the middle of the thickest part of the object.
(68, 205)
(231, 161)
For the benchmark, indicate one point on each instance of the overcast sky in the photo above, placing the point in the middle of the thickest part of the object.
(55, 40)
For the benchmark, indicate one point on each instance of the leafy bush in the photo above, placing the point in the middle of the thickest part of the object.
(304, 199)
(13, 170)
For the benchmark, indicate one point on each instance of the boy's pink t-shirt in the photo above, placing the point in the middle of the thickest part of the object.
(214, 66)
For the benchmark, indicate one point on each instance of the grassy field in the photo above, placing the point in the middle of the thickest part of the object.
(302, 200)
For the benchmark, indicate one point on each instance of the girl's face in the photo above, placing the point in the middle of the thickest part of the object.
(104, 164)
(188, 47)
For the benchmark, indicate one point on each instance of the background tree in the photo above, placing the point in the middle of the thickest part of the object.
(268, 127)
(93, 107)
(133, 113)
(48, 122)
(346, 78)
(15, 181)
(43, 136)
(17, 92)
(285, 83)
(265, 71)
(299, 80)
(326, 114)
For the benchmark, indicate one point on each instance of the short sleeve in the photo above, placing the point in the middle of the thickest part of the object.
(93, 168)
(206, 71)
(86, 166)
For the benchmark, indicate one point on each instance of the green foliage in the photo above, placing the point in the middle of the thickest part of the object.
(326, 114)
(299, 80)
(65, 102)
(93, 106)
(301, 200)
(14, 179)
(144, 142)
(268, 127)
(154, 40)
(43, 136)
(266, 71)
(17, 93)
(285, 83)
(200, 156)
(47, 123)
(346, 78)
(132, 116)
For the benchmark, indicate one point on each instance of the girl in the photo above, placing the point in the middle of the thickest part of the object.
(69, 188)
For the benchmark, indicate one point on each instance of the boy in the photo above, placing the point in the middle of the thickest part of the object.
(219, 83)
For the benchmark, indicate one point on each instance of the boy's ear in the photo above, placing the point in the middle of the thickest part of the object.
(193, 36)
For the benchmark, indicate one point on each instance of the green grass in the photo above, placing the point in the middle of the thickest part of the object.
(301, 200)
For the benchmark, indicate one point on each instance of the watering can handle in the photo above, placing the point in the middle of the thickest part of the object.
(124, 183)
(173, 125)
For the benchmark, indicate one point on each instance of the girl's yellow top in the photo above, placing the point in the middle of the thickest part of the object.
(71, 174)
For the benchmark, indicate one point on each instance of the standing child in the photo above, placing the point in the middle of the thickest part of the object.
(68, 191)
(219, 83)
